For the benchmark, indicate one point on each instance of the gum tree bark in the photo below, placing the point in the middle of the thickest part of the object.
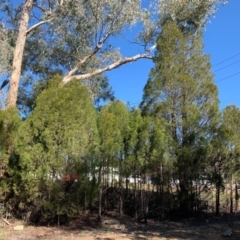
(18, 53)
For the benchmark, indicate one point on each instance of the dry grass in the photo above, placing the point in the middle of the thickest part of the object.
(124, 229)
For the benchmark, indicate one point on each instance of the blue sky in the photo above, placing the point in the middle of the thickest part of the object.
(222, 42)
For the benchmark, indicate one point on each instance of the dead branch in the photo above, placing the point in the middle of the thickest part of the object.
(6, 221)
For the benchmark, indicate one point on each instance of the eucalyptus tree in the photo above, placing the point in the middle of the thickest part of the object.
(181, 90)
(53, 142)
(77, 36)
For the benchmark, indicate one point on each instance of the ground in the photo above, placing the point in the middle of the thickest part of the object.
(124, 229)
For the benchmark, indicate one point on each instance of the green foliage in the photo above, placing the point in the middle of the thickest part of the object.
(223, 152)
(52, 142)
(112, 124)
(63, 153)
(145, 145)
(132, 141)
(181, 91)
(9, 124)
(75, 36)
(112, 121)
(231, 116)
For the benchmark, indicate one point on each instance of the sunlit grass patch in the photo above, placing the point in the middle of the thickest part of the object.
(3, 234)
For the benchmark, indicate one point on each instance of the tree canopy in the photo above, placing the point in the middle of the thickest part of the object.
(76, 37)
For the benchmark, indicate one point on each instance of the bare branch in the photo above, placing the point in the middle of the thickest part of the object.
(82, 61)
(151, 48)
(114, 65)
(6, 221)
(37, 25)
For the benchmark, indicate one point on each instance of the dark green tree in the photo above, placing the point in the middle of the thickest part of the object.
(181, 90)
(51, 148)
(9, 124)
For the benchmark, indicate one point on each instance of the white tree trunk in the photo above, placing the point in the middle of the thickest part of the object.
(18, 53)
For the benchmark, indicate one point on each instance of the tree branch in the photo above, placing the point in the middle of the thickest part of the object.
(151, 48)
(114, 65)
(82, 61)
(37, 25)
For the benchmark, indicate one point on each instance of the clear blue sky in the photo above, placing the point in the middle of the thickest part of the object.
(221, 40)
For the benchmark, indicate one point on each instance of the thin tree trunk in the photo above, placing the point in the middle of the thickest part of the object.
(121, 204)
(100, 190)
(18, 54)
(100, 205)
(162, 192)
(231, 195)
(135, 199)
(120, 188)
(236, 197)
(217, 199)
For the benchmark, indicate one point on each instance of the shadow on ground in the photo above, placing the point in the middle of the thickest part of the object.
(123, 229)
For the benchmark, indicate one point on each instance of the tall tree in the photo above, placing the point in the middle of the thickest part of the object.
(74, 36)
(181, 91)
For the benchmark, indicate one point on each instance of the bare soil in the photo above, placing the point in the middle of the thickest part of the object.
(124, 229)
